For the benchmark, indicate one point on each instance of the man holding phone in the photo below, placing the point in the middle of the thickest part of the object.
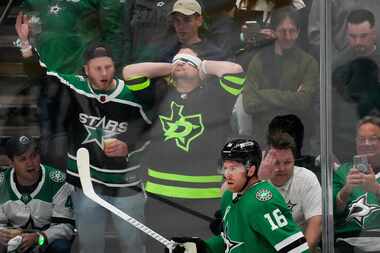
(356, 189)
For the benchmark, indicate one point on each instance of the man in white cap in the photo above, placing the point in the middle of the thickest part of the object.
(187, 20)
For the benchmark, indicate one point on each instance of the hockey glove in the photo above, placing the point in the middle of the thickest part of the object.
(216, 225)
(189, 245)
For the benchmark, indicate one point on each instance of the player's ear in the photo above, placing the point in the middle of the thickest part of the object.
(85, 68)
(251, 170)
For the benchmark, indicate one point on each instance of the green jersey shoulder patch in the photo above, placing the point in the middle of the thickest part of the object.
(264, 195)
(57, 176)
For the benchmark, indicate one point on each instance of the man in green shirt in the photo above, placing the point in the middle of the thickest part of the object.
(356, 191)
(255, 216)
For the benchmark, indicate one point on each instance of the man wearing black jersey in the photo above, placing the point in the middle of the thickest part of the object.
(106, 116)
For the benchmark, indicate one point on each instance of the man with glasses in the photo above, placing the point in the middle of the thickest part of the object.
(255, 216)
(356, 191)
(299, 186)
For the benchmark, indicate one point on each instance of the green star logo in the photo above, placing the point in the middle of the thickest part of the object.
(229, 244)
(360, 210)
(97, 135)
(182, 129)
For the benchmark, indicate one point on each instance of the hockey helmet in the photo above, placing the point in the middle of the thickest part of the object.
(245, 151)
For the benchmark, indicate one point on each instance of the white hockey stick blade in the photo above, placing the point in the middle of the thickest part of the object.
(83, 163)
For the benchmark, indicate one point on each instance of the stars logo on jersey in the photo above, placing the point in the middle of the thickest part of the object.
(182, 129)
(230, 244)
(264, 195)
(57, 176)
(97, 135)
(100, 128)
(94, 134)
(55, 9)
(160, 4)
(291, 205)
(360, 210)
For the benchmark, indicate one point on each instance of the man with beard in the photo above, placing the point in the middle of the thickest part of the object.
(255, 215)
(361, 37)
(356, 191)
(106, 117)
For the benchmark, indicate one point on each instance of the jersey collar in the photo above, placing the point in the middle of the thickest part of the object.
(35, 192)
(104, 97)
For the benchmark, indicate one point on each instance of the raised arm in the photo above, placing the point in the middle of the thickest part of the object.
(220, 68)
(148, 69)
(22, 29)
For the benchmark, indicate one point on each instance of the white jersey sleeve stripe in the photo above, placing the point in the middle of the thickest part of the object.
(288, 241)
(301, 248)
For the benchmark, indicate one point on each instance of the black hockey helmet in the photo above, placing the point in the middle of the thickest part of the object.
(245, 151)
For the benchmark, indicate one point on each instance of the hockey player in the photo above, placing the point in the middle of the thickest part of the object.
(106, 118)
(255, 216)
(34, 197)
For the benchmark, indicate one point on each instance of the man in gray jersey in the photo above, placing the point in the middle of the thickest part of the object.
(35, 201)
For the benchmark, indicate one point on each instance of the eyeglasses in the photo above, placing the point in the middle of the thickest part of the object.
(374, 139)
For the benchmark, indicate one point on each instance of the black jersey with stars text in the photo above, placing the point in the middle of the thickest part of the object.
(257, 221)
(94, 117)
(362, 210)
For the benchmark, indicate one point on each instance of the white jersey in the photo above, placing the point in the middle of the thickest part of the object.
(303, 194)
(48, 208)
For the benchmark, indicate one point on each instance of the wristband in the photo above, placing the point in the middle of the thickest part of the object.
(22, 44)
(41, 239)
(203, 67)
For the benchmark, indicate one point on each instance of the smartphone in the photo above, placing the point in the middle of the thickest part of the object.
(360, 162)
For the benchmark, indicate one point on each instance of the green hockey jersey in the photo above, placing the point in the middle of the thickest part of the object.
(362, 210)
(257, 221)
(94, 116)
(62, 39)
(47, 208)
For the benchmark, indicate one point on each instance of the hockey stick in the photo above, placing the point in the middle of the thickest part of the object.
(83, 163)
